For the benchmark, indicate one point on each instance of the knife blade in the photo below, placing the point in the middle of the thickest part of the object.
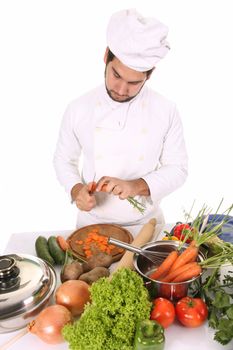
(93, 186)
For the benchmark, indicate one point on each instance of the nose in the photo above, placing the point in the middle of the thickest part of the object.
(122, 88)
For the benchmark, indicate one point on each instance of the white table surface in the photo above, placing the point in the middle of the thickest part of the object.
(177, 336)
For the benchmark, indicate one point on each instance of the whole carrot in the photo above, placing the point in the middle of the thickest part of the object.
(165, 266)
(62, 243)
(173, 274)
(188, 255)
(193, 243)
(92, 187)
(189, 274)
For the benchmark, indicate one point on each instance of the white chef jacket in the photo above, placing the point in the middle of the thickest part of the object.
(142, 138)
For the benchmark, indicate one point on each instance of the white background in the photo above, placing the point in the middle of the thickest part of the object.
(51, 51)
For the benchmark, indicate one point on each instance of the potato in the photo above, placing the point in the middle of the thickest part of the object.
(94, 274)
(86, 267)
(100, 259)
(71, 271)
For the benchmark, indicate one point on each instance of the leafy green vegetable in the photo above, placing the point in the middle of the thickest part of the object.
(220, 304)
(213, 320)
(221, 300)
(225, 332)
(230, 312)
(109, 322)
(217, 246)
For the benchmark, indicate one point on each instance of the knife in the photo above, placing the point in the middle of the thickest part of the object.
(93, 187)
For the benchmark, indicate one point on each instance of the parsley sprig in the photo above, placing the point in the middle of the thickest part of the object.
(136, 204)
(217, 295)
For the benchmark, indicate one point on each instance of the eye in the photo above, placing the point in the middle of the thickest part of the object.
(134, 82)
(116, 75)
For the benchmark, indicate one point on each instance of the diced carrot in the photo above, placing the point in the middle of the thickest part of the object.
(165, 266)
(99, 241)
(102, 246)
(79, 242)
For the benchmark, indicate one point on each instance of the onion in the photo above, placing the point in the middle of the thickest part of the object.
(49, 323)
(73, 294)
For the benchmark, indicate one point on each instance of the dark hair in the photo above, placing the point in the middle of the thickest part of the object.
(110, 57)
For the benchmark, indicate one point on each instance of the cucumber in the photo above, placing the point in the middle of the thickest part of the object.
(42, 250)
(57, 253)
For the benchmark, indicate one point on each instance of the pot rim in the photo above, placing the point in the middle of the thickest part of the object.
(165, 243)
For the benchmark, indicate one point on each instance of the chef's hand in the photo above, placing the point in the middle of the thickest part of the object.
(123, 188)
(82, 195)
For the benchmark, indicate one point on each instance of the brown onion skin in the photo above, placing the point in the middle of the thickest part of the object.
(49, 323)
(73, 294)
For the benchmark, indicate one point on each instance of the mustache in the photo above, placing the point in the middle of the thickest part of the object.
(109, 92)
(126, 99)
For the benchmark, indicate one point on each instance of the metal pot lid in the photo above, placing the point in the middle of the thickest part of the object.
(25, 282)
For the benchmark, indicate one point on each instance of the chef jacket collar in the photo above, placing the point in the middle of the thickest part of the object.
(110, 114)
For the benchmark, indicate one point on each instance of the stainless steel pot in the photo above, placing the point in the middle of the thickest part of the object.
(172, 291)
(27, 284)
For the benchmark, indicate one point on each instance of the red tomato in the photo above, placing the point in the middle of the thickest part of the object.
(163, 312)
(191, 312)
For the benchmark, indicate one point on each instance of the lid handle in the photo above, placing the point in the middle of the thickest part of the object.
(9, 274)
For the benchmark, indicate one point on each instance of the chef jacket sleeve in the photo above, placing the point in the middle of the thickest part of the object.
(67, 154)
(173, 168)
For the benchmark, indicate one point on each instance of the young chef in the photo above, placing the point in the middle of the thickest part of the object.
(128, 136)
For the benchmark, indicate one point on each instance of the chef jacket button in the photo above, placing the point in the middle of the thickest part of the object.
(144, 131)
(98, 156)
(144, 104)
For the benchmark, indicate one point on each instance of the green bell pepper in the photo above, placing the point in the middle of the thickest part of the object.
(149, 335)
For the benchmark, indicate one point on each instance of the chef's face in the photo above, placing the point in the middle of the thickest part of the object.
(123, 83)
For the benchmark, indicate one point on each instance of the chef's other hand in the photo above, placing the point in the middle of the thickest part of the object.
(123, 188)
(82, 195)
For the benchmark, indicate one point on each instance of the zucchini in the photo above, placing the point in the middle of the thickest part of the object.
(55, 250)
(42, 250)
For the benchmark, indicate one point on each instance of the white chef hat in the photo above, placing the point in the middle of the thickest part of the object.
(137, 42)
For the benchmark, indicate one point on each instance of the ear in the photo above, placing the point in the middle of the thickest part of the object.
(106, 55)
(149, 75)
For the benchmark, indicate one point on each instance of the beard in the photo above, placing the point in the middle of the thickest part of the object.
(122, 98)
